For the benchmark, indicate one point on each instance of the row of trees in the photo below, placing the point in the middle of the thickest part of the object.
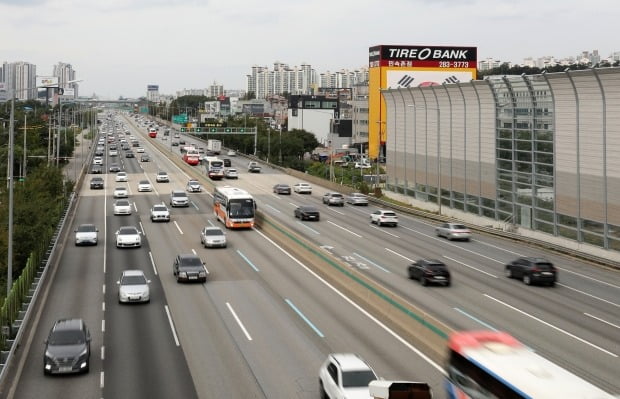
(39, 197)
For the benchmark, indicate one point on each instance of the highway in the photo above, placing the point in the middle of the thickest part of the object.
(264, 321)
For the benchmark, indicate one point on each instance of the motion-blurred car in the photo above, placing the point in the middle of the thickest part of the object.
(114, 168)
(302, 188)
(162, 177)
(429, 271)
(333, 199)
(145, 158)
(140, 150)
(178, 198)
(121, 192)
(231, 173)
(532, 271)
(122, 207)
(381, 217)
(307, 212)
(144, 185)
(357, 199)
(231, 153)
(121, 177)
(96, 183)
(213, 236)
(86, 234)
(97, 161)
(129, 154)
(128, 237)
(96, 169)
(345, 375)
(160, 213)
(133, 286)
(453, 231)
(227, 163)
(193, 186)
(281, 188)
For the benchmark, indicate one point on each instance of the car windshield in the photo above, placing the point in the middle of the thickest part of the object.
(122, 203)
(125, 231)
(120, 188)
(87, 228)
(193, 182)
(389, 214)
(121, 174)
(133, 280)
(213, 232)
(66, 337)
(178, 194)
(308, 209)
(359, 378)
(435, 267)
(191, 261)
(144, 182)
(459, 227)
(159, 208)
(232, 170)
(337, 195)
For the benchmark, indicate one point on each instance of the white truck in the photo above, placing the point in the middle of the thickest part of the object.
(215, 146)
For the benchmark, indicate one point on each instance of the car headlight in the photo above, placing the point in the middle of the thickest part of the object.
(183, 274)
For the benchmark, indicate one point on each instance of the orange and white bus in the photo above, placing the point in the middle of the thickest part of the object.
(492, 364)
(234, 207)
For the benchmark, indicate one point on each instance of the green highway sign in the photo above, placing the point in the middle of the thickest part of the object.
(223, 130)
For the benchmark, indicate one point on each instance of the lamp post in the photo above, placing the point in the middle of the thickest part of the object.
(25, 143)
(280, 147)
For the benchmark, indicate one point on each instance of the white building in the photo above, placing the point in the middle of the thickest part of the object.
(65, 74)
(20, 77)
(282, 79)
(152, 93)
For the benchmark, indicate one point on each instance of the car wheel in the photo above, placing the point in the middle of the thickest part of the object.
(448, 283)
(379, 224)
(552, 284)
(508, 272)
(527, 279)
(424, 281)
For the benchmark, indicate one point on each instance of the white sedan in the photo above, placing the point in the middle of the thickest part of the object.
(144, 185)
(139, 149)
(97, 161)
(121, 192)
(127, 237)
(133, 287)
(302, 188)
(121, 177)
(122, 207)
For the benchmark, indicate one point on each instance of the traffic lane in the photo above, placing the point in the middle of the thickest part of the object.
(75, 292)
(211, 354)
(331, 322)
(432, 303)
(140, 340)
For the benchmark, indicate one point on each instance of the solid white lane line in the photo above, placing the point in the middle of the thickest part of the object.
(178, 228)
(174, 332)
(153, 263)
(333, 210)
(471, 267)
(272, 208)
(602, 321)
(384, 231)
(397, 254)
(247, 335)
(378, 322)
(142, 229)
(307, 227)
(589, 278)
(347, 230)
(590, 295)
(135, 207)
(552, 326)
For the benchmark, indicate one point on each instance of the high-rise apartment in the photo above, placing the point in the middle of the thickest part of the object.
(66, 74)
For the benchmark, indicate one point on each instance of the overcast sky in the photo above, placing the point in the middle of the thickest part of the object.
(120, 46)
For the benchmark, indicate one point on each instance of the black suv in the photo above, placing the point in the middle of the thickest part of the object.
(96, 183)
(67, 348)
(430, 271)
(532, 270)
(189, 267)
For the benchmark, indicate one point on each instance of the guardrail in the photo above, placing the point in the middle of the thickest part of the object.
(16, 310)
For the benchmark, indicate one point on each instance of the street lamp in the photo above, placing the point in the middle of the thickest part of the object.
(25, 143)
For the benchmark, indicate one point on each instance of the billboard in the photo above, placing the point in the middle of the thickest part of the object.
(152, 88)
(47, 81)
(405, 67)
